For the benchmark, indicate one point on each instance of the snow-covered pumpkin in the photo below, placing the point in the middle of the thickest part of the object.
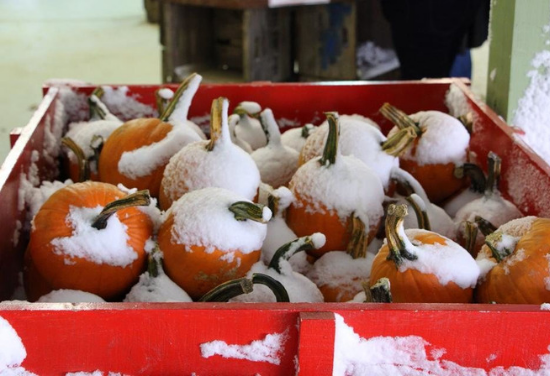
(214, 163)
(210, 236)
(248, 128)
(296, 138)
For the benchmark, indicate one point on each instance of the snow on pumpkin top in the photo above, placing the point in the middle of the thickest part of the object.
(82, 133)
(346, 186)
(444, 139)
(202, 218)
(492, 208)
(70, 296)
(295, 138)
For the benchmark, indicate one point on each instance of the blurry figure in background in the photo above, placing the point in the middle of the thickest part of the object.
(433, 38)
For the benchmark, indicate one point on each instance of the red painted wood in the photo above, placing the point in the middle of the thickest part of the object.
(14, 135)
(316, 347)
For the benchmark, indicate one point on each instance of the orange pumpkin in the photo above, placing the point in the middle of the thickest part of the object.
(520, 250)
(211, 236)
(422, 269)
(321, 206)
(442, 143)
(136, 153)
(59, 255)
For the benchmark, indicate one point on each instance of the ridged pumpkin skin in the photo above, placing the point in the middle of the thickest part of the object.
(47, 270)
(413, 286)
(522, 282)
(343, 293)
(130, 136)
(438, 180)
(199, 271)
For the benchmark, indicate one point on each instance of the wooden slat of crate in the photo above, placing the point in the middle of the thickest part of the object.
(326, 41)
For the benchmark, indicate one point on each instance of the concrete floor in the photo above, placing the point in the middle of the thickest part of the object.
(100, 41)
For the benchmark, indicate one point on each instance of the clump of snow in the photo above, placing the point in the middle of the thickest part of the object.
(225, 166)
(166, 93)
(249, 128)
(545, 307)
(70, 296)
(444, 139)
(202, 218)
(120, 102)
(347, 186)
(293, 138)
(410, 355)
(105, 246)
(12, 350)
(276, 162)
(269, 349)
(339, 270)
(359, 138)
(456, 101)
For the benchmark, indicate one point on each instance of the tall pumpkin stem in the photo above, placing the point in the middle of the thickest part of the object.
(83, 163)
(357, 246)
(478, 182)
(154, 265)
(470, 236)
(399, 142)
(219, 109)
(493, 178)
(331, 146)
(236, 287)
(286, 251)
(140, 198)
(380, 292)
(394, 228)
(419, 207)
(96, 112)
(399, 118)
(270, 127)
(181, 101)
(486, 227)
(244, 210)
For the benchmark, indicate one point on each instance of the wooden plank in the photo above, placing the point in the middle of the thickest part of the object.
(316, 345)
(245, 4)
(266, 45)
(326, 41)
(512, 49)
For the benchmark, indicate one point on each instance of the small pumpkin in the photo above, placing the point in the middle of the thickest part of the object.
(516, 263)
(441, 144)
(88, 236)
(422, 266)
(296, 138)
(329, 191)
(248, 127)
(210, 236)
(136, 153)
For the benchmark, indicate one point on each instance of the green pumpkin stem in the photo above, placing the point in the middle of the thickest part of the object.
(397, 246)
(399, 142)
(140, 198)
(228, 290)
(242, 112)
(331, 146)
(244, 210)
(357, 246)
(165, 116)
(470, 236)
(273, 203)
(486, 227)
(306, 129)
(275, 286)
(380, 292)
(161, 102)
(154, 265)
(286, 251)
(83, 163)
(419, 208)
(399, 118)
(96, 144)
(492, 242)
(493, 178)
(478, 182)
(96, 111)
(216, 123)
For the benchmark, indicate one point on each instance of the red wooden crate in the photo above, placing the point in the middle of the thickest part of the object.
(165, 339)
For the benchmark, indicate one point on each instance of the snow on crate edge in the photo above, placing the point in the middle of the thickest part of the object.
(410, 355)
(12, 350)
(269, 349)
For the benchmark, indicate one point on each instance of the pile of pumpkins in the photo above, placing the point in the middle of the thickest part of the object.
(336, 212)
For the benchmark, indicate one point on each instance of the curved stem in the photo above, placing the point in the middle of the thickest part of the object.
(399, 118)
(244, 210)
(331, 146)
(242, 112)
(399, 142)
(394, 225)
(478, 183)
(96, 112)
(140, 198)
(270, 127)
(380, 292)
(493, 178)
(162, 101)
(228, 290)
(468, 121)
(273, 203)
(486, 227)
(184, 92)
(409, 182)
(420, 210)
(357, 246)
(275, 286)
(83, 163)
(289, 249)
(492, 242)
(470, 236)
(216, 123)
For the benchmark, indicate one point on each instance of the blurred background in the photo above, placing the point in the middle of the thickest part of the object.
(123, 42)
